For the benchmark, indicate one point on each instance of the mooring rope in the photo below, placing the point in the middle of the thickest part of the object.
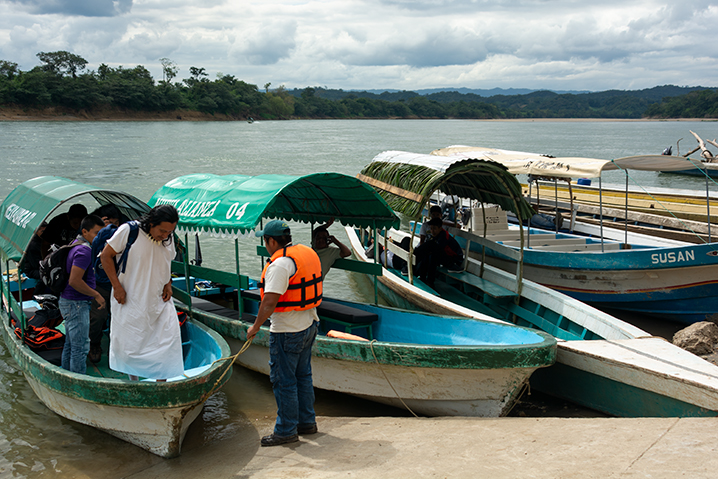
(229, 365)
(371, 345)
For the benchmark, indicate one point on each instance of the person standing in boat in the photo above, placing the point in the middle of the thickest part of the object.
(76, 299)
(144, 333)
(291, 289)
(98, 317)
(63, 228)
(322, 243)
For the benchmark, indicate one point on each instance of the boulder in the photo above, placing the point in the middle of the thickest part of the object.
(698, 338)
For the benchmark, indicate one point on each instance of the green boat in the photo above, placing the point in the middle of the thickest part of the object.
(432, 364)
(152, 415)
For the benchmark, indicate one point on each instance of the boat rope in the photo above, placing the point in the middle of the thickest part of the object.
(228, 366)
(371, 345)
(527, 387)
(686, 227)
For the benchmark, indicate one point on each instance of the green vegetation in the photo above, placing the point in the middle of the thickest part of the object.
(61, 81)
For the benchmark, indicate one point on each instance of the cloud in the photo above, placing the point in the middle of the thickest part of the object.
(403, 44)
(84, 8)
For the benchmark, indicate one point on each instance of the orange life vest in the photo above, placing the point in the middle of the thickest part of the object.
(305, 286)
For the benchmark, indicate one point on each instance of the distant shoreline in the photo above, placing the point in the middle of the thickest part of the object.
(56, 114)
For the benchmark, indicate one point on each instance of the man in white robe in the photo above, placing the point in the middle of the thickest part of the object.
(145, 336)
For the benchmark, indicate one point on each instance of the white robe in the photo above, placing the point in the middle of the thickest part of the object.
(144, 332)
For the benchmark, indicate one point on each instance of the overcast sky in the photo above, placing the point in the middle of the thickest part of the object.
(376, 44)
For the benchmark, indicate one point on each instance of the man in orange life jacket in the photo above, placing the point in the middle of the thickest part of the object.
(291, 288)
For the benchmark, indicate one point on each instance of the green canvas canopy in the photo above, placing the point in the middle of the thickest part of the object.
(233, 205)
(407, 181)
(28, 205)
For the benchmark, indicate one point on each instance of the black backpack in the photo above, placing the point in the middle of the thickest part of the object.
(53, 269)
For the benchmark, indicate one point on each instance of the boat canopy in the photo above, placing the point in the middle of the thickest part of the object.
(535, 164)
(407, 181)
(28, 205)
(234, 205)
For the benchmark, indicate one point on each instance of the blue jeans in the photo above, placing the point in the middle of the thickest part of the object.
(290, 371)
(76, 315)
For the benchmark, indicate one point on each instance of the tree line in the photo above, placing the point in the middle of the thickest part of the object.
(62, 80)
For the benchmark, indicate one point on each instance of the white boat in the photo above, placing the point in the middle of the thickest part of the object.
(602, 362)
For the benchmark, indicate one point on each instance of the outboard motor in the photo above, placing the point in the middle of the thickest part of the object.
(668, 151)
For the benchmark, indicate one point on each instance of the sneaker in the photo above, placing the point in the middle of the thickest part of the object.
(405, 271)
(274, 440)
(95, 354)
(308, 429)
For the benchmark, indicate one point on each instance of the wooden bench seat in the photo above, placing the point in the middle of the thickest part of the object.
(492, 289)
(330, 312)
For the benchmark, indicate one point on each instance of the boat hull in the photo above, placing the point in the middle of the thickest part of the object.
(427, 391)
(685, 293)
(432, 380)
(157, 430)
(154, 416)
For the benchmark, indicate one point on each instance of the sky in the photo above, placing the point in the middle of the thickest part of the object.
(382, 44)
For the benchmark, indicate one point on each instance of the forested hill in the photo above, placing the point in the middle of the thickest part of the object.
(61, 82)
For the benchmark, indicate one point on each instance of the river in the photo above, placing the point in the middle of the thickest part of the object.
(139, 157)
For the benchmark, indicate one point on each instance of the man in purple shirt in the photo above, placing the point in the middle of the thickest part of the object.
(76, 299)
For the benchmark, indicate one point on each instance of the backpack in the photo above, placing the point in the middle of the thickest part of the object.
(53, 269)
(99, 244)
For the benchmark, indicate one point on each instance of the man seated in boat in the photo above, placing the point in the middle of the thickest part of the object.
(387, 258)
(440, 250)
(322, 243)
(434, 212)
(30, 263)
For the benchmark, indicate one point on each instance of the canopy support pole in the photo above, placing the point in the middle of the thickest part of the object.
(555, 202)
(185, 261)
(376, 253)
(708, 202)
(411, 254)
(240, 303)
(626, 212)
(600, 208)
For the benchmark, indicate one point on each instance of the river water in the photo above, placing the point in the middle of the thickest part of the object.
(139, 157)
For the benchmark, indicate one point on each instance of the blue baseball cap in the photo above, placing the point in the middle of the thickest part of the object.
(274, 228)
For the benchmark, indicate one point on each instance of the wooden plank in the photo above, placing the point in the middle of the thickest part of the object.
(492, 289)
(492, 245)
(537, 240)
(394, 190)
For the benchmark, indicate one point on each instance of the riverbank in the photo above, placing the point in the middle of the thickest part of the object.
(449, 447)
(60, 114)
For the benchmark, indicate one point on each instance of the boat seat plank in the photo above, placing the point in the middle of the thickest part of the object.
(579, 247)
(492, 289)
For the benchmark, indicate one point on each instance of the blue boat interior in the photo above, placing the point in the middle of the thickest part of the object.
(398, 326)
(199, 350)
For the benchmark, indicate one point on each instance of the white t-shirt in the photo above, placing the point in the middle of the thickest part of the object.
(425, 231)
(327, 256)
(276, 281)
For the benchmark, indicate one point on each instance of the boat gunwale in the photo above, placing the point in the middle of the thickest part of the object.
(407, 354)
(118, 392)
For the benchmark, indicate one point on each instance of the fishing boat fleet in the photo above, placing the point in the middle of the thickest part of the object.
(524, 308)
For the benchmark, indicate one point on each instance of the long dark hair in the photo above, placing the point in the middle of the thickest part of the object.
(159, 214)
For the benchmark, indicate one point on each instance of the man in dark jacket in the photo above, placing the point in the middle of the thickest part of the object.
(441, 250)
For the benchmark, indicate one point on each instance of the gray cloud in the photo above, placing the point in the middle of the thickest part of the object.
(85, 8)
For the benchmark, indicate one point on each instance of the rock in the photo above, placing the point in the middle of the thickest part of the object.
(698, 338)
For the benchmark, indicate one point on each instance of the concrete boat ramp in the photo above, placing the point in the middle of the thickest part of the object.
(389, 447)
